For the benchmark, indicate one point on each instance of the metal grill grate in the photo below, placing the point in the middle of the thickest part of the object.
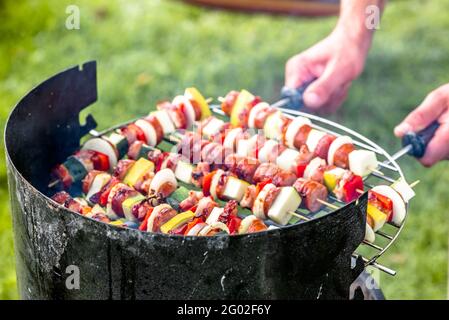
(388, 166)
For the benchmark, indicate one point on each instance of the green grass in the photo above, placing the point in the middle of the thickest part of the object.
(149, 50)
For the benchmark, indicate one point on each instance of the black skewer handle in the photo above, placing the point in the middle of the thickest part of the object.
(420, 140)
(294, 96)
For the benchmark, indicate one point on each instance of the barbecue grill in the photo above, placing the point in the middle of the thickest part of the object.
(315, 259)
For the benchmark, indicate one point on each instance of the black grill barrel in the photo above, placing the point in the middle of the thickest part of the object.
(311, 260)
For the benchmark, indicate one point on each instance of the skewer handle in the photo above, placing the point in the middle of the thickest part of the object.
(292, 98)
(420, 140)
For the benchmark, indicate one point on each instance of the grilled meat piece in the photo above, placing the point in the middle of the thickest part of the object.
(311, 191)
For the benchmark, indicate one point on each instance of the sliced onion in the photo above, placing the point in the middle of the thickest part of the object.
(102, 146)
(246, 223)
(154, 214)
(258, 205)
(335, 145)
(214, 183)
(196, 229)
(231, 136)
(149, 131)
(188, 109)
(293, 129)
(214, 215)
(254, 111)
(162, 177)
(266, 150)
(314, 138)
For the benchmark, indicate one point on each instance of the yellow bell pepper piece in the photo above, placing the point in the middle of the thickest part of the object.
(177, 221)
(330, 181)
(377, 217)
(194, 94)
(140, 168)
(243, 99)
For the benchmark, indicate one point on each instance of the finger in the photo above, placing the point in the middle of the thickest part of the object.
(438, 148)
(319, 92)
(300, 70)
(430, 110)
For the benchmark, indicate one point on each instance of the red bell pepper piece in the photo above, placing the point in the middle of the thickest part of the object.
(160, 160)
(350, 188)
(193, 223)
(144, 224)
(234, 224)
(106, 190)
(300, 170)
(381, 202)
(207, 182)
(101, 161)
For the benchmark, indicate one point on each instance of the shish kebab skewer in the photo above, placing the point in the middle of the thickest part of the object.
(394, 216)
(248, 111)
(136, 171)
(125, 201)
(163, 218)
(338, 181)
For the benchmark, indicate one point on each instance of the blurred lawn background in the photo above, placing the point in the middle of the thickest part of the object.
(149, 50)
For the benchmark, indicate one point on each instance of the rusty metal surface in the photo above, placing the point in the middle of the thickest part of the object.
(306, 261)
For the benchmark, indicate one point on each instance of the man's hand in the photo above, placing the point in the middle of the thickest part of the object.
(434, 107)
(335, 62)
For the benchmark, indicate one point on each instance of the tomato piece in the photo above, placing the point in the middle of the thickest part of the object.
(107, 189)
(144, 224)
(160, 161)
(234, 224)
(193, 223)
(207, 182)
(386, 202)
(140, 134)
(256, 152)
(101, 161)
(300, 170)
(350, 188)
(255, 101)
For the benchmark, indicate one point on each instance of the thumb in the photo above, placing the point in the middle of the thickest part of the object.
(319, 92)
(430, 110)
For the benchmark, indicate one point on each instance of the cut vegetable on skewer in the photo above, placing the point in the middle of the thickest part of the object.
(138, 171)
(287, 200)
(362, 162)
(370, 236)
(149, 131)
(404, 189)
(177, 221)
(164, 182)
(197, 98)
(104, 147)
(398, 204)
